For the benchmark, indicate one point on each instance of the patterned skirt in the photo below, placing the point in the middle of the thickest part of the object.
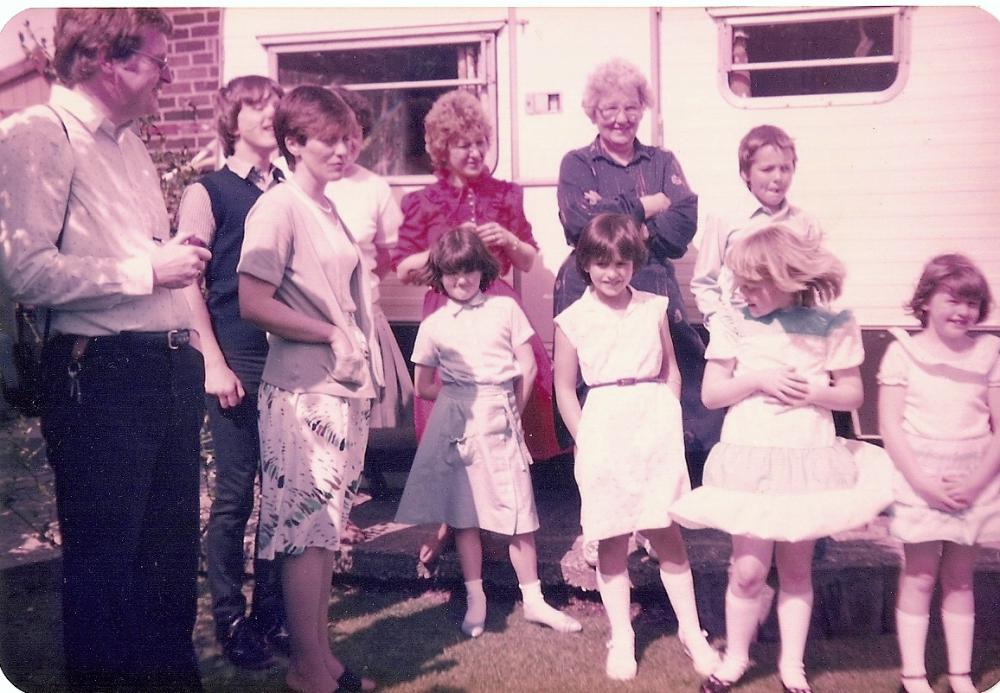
(312, 452)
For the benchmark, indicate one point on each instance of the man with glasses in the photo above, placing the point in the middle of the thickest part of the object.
(84, 231)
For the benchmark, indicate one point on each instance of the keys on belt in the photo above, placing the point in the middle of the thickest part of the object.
(170, 339)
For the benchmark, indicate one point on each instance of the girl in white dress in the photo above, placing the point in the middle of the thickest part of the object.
(780, 478)
(471, 470)
(939, 413)
(629, 462)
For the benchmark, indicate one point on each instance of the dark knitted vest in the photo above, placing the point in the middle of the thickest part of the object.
(243, 344)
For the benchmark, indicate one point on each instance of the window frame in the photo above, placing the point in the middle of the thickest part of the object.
(483, 33)
(727, 19)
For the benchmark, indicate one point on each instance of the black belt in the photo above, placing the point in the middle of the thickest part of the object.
(625, 382)
(170, 339)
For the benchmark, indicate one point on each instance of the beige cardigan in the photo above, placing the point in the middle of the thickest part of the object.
(285, 245)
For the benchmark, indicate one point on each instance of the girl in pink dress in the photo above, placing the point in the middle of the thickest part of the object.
(779, 478)
(939, 411)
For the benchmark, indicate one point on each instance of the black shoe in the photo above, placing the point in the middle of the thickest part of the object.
(245, 647)
(278, 639)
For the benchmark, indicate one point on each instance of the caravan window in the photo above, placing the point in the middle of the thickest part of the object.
(400, 75)
(782, 58)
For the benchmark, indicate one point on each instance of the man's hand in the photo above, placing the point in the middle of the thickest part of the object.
(179, 262)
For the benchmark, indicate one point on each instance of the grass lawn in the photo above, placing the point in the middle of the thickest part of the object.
(409, 641)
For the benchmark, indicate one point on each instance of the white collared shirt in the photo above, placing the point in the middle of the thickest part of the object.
(369, 211)
(106, 189)
(473, 342)
(711, 281)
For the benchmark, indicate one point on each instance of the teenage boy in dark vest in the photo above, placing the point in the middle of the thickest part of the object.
(214, 209)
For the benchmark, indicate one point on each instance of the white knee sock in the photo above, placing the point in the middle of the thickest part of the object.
(794, 614)
(741, 624)
(958, 632)
(537, 610)
(475, 609)
(911, 632)
(680, 591)
(616, 595)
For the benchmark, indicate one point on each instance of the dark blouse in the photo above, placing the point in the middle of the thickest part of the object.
(430, 212)
(651, 170)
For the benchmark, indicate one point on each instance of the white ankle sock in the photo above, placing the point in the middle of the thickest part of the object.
(741, 624)
(794, 614)
(958, 633)
(475, 609)
(537, 610)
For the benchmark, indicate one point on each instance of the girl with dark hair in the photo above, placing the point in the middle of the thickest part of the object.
(627, 481)
(471, 470)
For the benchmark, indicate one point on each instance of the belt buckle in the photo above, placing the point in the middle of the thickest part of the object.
(178, 338)
(621, 382)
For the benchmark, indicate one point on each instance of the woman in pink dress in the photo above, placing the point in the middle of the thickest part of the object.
(457, 136)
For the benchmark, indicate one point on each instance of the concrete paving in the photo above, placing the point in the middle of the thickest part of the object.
(855, 573)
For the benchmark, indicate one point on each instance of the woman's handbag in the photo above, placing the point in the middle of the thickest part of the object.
(23, 384)
(22, 381)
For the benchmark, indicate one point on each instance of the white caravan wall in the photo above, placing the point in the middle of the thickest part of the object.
(892, 183)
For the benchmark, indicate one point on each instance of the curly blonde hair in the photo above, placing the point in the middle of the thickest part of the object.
(455, 114)
(614, 75)
(795, 264)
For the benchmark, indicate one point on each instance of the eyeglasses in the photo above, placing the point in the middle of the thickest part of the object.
(159, 62)
(632, 111)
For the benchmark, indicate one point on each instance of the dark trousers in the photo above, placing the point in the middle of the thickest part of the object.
(237, 464)
(125, 451)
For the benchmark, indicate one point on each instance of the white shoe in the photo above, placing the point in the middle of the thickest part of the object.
(589, 551)
(473, 630)
(621, 665)
(704, 658)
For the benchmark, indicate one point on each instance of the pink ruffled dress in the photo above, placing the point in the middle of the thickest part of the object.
(780, 472)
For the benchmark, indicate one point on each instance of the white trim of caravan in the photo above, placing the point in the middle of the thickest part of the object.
(485, 80)
(728, 18)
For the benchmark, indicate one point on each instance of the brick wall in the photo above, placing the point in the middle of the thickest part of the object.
(186, 117)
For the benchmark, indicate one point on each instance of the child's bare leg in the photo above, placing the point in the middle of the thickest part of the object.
(616, 595)
(795, 601)
(302, 582)
(913, 604)
(470, 556)
(747, 572)
(958, 615)
(675, 574)
(524, 558)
